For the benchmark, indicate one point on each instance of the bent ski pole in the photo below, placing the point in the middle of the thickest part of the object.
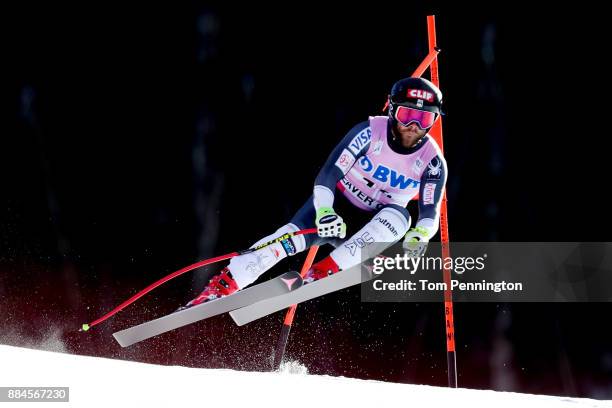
(191, 267)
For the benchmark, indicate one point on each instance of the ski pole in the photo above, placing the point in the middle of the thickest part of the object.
(191, 267)
(436, 132)
(279, 355)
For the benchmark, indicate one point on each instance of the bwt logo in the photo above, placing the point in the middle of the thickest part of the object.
(420, 94)
(386, 174)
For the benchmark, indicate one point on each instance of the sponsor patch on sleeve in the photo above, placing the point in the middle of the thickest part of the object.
(345, 161)
(428, 193)
(434, 169)
(359, 141)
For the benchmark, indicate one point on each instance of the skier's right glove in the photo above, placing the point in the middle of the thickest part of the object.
(329, 224)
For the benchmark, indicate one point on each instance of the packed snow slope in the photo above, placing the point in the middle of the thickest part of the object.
(101, 382)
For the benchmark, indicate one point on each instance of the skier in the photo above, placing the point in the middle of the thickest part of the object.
(378, 167)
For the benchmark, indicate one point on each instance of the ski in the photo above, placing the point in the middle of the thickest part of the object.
(282, 284)
(343, 279)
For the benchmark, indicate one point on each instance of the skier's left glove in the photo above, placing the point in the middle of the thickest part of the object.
(415, 242)
(329, 224)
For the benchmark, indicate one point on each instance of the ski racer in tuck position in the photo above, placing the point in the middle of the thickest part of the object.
(378, 167)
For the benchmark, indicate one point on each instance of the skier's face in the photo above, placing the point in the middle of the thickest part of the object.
(408, 135)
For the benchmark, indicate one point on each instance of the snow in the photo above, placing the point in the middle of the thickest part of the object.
(101, 382)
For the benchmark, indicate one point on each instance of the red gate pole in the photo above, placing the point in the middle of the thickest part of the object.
(279, 354)
(436, 132)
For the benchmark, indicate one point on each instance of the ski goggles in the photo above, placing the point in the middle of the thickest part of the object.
(406, 116)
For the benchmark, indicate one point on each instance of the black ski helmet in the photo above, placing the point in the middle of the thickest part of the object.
(417, 93)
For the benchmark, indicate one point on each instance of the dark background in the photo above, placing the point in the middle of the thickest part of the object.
(139, 140)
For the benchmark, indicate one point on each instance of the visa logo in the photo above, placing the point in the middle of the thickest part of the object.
(360, 141)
